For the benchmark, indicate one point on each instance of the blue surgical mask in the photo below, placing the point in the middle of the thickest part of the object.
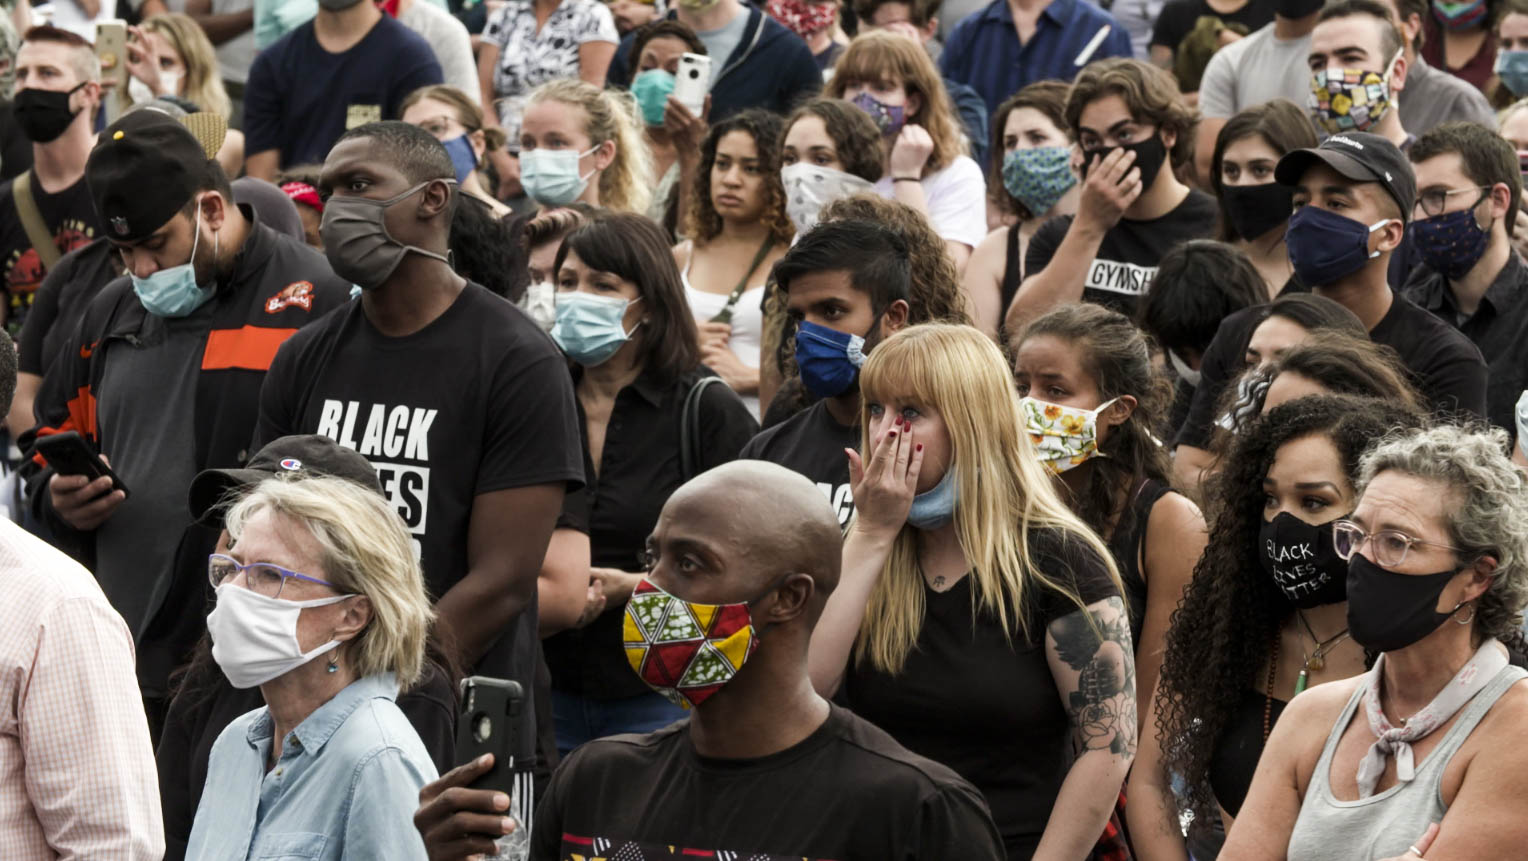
(462, 157)
(652, 89)
(829, 360)
(935, 507)
(590, 328)
(551, 177)
(1512, 68)
(1038, 176)
(173, 292)
(1325, 247)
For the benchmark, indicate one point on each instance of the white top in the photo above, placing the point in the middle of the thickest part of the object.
(67, 15)
(449, 40)
(1254, 70)
(956, 199)
(747, 322)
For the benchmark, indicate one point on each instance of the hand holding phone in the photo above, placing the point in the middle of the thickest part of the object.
(494, 720)
(83, 490)
(693, 82)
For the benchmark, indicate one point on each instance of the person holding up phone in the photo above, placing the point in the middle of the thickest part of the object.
(750, 550)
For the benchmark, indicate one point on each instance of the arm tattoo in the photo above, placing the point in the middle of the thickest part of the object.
(1096, 643)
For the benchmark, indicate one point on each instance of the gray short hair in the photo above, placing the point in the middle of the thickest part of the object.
(1489, 512)
(364, 549)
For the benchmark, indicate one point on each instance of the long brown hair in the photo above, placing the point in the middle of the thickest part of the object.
(879, 55)
(854, 135)
(703, 222)
(1279, 122)
(1047, 97)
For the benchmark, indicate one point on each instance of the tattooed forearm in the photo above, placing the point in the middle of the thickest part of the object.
(1101, 698)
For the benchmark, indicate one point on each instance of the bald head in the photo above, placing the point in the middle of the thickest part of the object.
(770, 516)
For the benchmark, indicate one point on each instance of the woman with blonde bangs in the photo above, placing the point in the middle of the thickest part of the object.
(579, 142)
(892, 79)
(994, 644)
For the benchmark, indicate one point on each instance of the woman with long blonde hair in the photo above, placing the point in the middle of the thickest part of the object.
(891, 78)
(977, 619)
(170, 57)
(579, 142)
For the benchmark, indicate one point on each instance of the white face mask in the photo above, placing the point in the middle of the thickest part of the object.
(808, 188)
(254, 638)
(1182, 369)
(540, 304)
(141, 93)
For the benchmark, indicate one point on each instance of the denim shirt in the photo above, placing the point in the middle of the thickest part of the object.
(346, 785)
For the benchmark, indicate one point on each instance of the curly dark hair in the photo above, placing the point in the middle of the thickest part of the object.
(484, 250)
(1117, 356)
(1231, 611)
(703, 222)
(854, 135)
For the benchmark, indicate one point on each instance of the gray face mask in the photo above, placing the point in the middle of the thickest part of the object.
(356, 239)
(337, 5)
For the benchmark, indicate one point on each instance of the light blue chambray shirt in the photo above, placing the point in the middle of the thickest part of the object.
(346, 785)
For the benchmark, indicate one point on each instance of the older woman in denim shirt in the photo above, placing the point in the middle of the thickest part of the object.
(321, 603)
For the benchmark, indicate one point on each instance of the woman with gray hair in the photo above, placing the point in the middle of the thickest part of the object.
(321, 604)
(1422, 756)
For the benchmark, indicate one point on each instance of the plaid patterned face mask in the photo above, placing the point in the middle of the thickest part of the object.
(683, 650)
(1350, 100)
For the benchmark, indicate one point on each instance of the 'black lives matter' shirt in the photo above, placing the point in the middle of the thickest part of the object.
(477, 401)
(812, 443)
(1127, 258)
(848, 792)
(985, 703)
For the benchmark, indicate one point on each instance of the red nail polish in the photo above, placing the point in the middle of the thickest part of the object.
(919, 447)
(891, 433)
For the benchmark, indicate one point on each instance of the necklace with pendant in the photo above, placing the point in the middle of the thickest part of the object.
(1317, 658)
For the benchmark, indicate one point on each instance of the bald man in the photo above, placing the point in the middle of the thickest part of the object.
(764, 767)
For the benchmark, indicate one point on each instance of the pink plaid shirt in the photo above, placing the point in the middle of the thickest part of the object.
(77, 777)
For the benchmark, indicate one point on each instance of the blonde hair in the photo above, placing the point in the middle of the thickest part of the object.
(1004, 493)
(626, 185)
(874, 56)
(467, 111)
(364, 549)
(204, 82)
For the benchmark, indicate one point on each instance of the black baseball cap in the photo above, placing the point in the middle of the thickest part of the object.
(146, 167)
(309, 454)
(1359, 156)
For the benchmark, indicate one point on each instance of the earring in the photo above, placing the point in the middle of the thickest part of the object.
(334, 664)
(1467, 619)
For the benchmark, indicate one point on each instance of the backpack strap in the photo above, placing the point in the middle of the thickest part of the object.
(31, 220)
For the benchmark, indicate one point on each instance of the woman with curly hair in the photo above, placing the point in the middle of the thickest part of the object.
(829, 150)
(1264, 616)
(1437, 579)
(738, 227)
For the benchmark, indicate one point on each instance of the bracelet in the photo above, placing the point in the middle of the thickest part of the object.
(906, 179)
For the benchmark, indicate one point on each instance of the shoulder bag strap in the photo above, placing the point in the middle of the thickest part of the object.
(31, 220)
(725, 314)
(689, 428)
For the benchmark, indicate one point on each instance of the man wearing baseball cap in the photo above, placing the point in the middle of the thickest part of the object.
(1353, 197)
(205, 702)
(165, 374)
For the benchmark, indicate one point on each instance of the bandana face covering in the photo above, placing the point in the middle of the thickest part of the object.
(1350, 100)
(1064, 437)
(683, 650)
(809, 188)
(801, 17)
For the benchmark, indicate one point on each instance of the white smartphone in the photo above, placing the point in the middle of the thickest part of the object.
(693, 82)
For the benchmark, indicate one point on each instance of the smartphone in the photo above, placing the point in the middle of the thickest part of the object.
(493, 720)
(693, 81)
(111, 50)
(70, 454)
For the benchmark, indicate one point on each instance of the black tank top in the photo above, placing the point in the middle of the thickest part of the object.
(1128, 545)
(1234, 760)
(1013, 268)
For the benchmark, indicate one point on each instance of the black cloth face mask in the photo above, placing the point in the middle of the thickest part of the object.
(1253, 210)
(1150, 155)
(1302, 562)
(1389, 611)
(44, 114)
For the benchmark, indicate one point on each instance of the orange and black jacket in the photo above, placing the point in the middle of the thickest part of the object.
(277, 286)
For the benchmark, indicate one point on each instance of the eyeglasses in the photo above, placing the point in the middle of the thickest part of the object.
(262, 578)
(441, 126)
(1390, 546)
(1433, 200)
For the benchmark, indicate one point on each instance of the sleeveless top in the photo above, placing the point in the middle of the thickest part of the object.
(1128, 545)
(747, 321)
(1234, 758)
(1013, 269)
(1384, 824)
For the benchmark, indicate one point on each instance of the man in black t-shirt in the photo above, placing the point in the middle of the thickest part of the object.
(1353, 197)
(1135, 130)
(458, 399)
(764, 768)
(848, 285)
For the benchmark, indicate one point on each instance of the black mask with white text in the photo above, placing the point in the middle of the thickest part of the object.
(1302, 562)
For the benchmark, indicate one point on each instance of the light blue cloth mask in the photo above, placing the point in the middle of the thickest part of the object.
(935, 507)
(173, 292)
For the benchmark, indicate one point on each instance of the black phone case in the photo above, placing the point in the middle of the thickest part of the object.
(69, 454)
(492, 721)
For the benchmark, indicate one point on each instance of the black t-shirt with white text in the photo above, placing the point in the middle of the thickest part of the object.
(1126, 262)
(812, 443)
(477, 401)
(71, 220)
(846, 792)
(984, 701)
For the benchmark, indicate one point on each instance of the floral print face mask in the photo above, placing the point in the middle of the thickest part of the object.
(1064, 437)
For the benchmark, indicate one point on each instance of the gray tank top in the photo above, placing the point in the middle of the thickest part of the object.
(1383, 825)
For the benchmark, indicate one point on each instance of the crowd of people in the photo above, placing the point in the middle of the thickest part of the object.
(1051, 429)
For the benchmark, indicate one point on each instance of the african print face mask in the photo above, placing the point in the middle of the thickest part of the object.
(683, 650)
